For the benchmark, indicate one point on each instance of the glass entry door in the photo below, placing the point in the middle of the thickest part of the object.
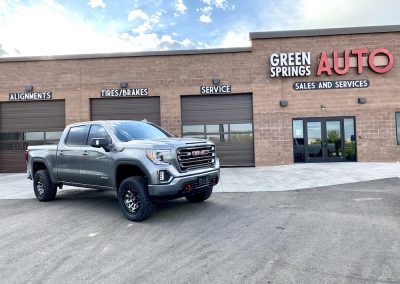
(314, 144)
(324, 139)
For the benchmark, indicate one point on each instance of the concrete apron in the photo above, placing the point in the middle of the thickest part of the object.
(276, 178)
(300, 176)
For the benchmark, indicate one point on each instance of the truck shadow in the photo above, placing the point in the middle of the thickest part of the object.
(105, 203)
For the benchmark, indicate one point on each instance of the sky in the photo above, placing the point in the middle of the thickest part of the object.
(58, 27)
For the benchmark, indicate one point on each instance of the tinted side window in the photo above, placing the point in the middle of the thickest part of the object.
(97, 131)
(76, 136)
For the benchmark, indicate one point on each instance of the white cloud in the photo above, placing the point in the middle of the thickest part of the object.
(236, 37)
(152, 41)
(326, 14)
(69, 33)
(206, 16)
(180, 6)
(314, 14)
(206, 10)
(137, 14)
(221, 4)
(205, 19)
(149, 22)
(97, 3)
(210, 5)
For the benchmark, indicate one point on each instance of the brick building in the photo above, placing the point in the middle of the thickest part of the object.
(293, 96)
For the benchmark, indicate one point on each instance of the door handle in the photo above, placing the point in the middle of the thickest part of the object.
(85, 153)
(60, 153)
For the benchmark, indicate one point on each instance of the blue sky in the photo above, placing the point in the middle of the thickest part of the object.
(53, 27)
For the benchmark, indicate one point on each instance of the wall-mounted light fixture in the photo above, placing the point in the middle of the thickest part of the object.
(123, 84)
(28, 88)
(283, 103)
(216, 82)
(362, 100)
(323, 107)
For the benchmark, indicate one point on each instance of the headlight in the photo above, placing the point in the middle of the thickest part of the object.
(159, 157)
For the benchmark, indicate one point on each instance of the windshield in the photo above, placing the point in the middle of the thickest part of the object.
(135, 130)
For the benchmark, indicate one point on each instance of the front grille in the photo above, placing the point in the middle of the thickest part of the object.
(196, 157)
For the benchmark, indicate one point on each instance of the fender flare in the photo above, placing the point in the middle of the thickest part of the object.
(130, 162)
(53, 177)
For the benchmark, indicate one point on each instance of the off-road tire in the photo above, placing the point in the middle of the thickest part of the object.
(134, 200)
(199, 197)
(44, 188)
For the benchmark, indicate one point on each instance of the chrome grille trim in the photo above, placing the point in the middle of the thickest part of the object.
(187, 158)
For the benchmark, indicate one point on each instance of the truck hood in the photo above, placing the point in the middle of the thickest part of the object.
(166, 143)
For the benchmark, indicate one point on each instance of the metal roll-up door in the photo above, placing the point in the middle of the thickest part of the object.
(227, 120)
(27, 123)
(127, 109)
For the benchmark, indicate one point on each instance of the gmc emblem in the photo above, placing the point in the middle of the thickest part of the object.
(199, 153)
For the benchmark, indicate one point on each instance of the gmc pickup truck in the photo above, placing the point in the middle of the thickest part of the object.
(137, 159)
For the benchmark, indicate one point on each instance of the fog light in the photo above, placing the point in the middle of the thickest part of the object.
(163, 176)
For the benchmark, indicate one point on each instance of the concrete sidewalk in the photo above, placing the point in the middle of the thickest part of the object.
(276, 178)
(299, 176)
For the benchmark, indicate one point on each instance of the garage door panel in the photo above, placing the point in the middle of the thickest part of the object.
(236, 154)
(12, 161)
(223, 109)
(127, 109)
(17, 122)
(32, 116)
(225, 119)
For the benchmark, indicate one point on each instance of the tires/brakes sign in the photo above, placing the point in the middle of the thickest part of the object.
(124, 92)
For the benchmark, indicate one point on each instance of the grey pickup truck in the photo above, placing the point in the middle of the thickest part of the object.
(137, 159)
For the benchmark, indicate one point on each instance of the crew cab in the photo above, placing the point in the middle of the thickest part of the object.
(139, 160)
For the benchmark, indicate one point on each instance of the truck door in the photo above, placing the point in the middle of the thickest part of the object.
(70, 153)
(96, 162)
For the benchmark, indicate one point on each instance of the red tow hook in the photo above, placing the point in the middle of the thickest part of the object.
(188, 187)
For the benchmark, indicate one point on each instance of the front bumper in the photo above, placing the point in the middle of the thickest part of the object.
(176, 186)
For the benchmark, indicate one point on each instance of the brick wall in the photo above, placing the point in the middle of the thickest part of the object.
(76, 81)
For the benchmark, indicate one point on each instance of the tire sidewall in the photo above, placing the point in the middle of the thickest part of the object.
(146, 206)
(50, 190)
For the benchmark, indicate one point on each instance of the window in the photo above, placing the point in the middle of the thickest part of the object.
(135, 130)
(21, 140)
(32, 136)
(76, 136)
(350, 139)
(398, 127)
(97, 131)
(53, 135)
(298, 141)
(220, 133)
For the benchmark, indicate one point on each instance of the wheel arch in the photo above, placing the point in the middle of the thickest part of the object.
(125, 169)
(39, 164)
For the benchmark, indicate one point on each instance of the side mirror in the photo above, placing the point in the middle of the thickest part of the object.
(100, 143)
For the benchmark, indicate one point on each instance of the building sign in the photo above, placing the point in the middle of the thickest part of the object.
(329, 85)
(290, 64)
(298, 64)
(34, 96)
(125, 92)
(218, 89)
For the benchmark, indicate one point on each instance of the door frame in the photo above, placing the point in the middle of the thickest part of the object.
(324, 157)
(323, 120)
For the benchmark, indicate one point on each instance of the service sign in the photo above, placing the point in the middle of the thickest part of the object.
(34, 96)
(125, 92)
(217, 89)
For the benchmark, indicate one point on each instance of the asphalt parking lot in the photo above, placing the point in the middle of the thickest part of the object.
(336, 234)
